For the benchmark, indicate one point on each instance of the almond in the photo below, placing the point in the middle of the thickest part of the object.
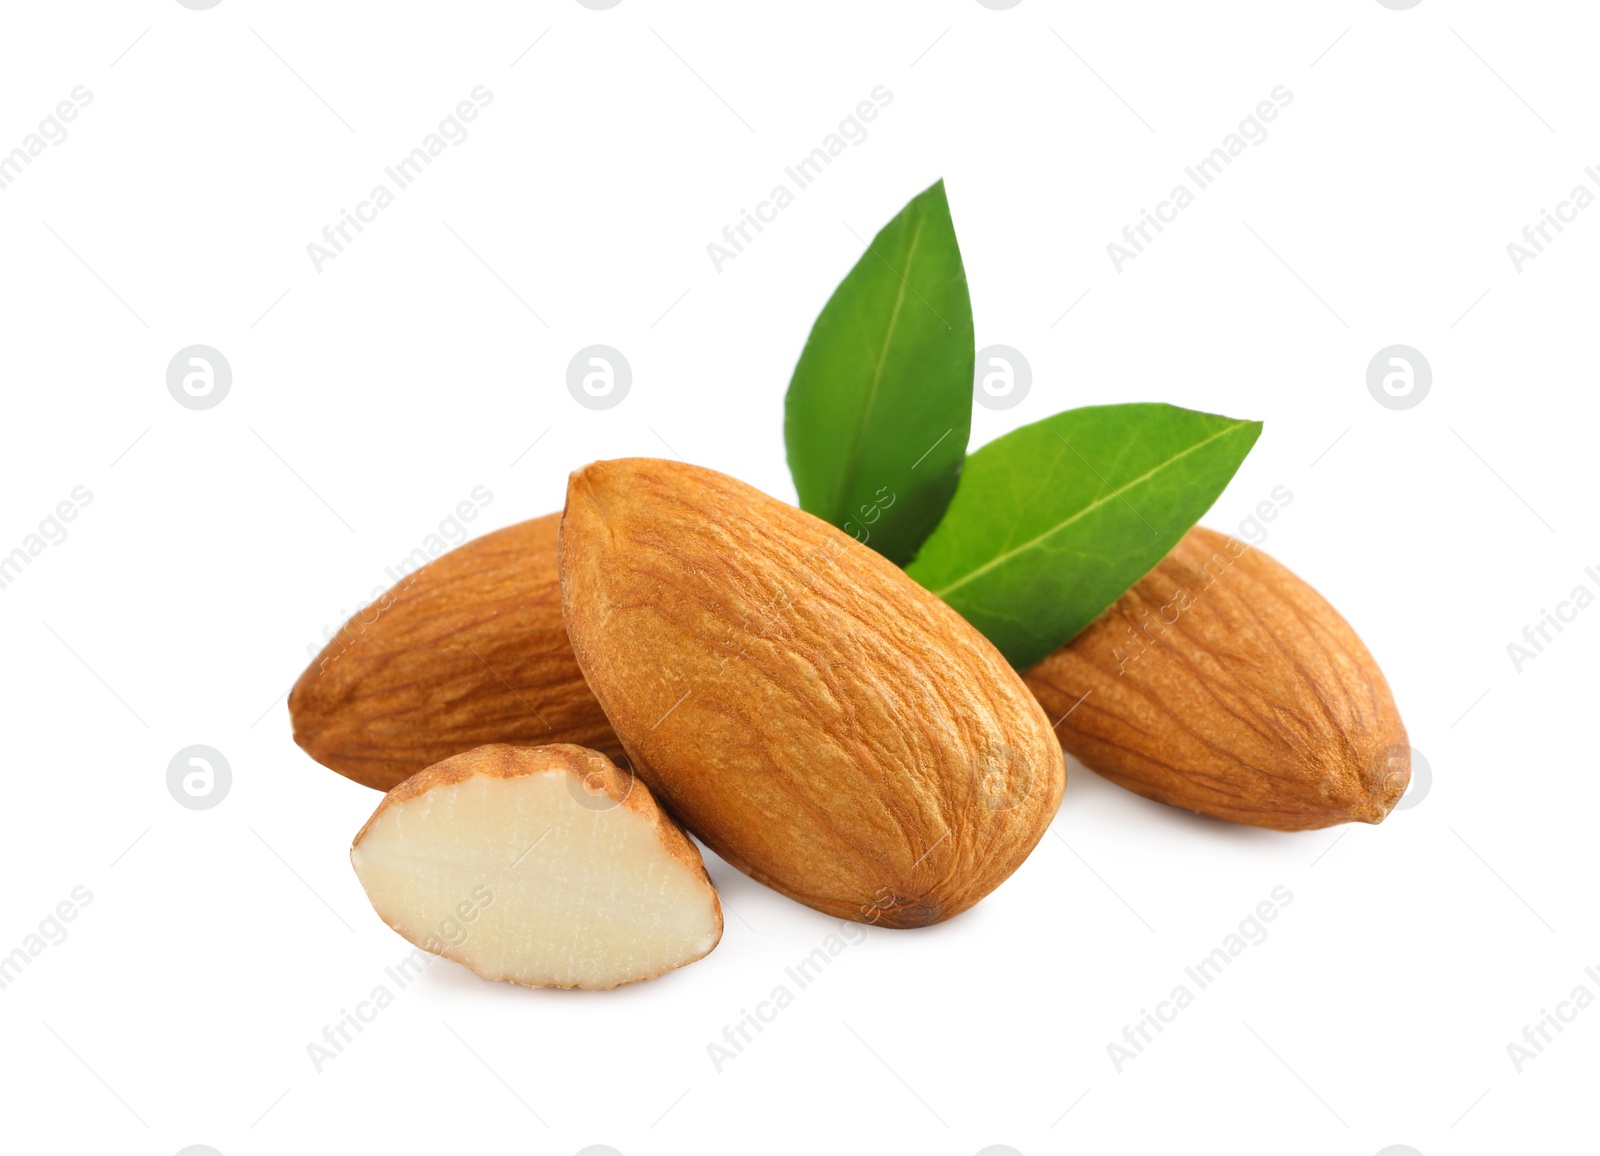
(544, 866)
(1222, 683)
(806, 709)
(469, 649)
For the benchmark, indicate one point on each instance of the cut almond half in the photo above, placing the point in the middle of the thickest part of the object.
(546, 866)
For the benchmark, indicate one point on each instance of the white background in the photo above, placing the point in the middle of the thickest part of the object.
(371, 397)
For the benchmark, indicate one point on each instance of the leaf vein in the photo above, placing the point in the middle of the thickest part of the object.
(1116, 493)
(853, 463)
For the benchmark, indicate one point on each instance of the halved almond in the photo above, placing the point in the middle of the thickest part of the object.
(546, 866)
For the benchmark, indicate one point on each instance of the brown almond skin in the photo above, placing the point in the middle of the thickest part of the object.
(822, 722)
(1224, 684)
(468, 650)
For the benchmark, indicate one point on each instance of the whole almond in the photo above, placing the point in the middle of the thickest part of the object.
(816, 717)
(1224, 684)
(470, 649)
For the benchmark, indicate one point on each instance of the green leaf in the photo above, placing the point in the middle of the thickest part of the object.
(1055, 520)
(880, 407)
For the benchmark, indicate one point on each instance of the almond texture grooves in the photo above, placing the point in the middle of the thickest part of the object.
(468, 650)
(807, 710)
(1222, 683)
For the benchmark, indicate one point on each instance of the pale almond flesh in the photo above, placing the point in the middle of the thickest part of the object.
(470, 649)
(546, 866)
(1224, 684)
(808, 711)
